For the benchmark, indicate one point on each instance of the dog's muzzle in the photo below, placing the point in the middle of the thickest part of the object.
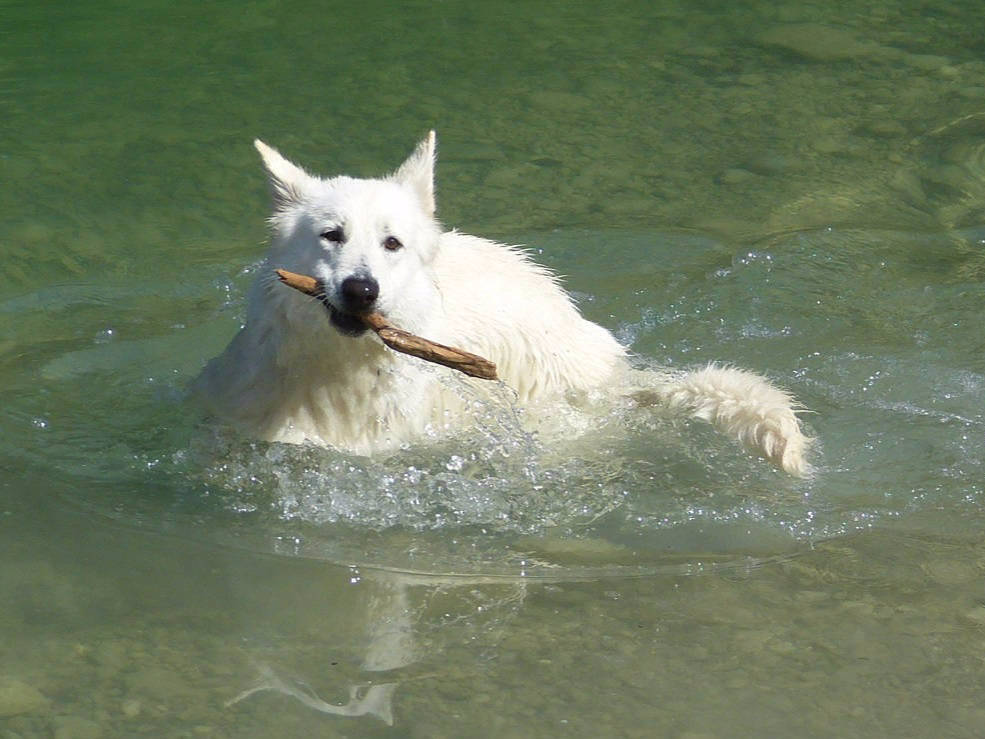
(359, 294)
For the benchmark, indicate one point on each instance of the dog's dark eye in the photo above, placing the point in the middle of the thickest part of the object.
(335, 235)
(392, 243)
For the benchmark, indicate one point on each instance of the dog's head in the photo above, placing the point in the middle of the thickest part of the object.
(369, 241)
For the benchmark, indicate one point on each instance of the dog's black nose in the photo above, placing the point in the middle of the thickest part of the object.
(359, 293)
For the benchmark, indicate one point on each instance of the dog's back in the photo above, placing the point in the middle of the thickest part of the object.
(504, 306)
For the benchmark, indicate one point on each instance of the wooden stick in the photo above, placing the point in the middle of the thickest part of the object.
(403, 341)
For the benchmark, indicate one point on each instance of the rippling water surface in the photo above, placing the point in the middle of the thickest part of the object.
(799, 192)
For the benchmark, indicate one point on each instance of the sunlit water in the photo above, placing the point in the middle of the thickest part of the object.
(641, 575)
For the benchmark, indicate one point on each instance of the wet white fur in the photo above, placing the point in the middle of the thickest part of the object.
(290, 376)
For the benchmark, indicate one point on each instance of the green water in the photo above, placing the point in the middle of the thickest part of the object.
(797, 188)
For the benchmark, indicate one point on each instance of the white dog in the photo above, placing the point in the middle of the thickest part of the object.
(303, 369)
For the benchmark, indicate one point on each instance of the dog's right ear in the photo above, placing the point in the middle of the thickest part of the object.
(287, 181)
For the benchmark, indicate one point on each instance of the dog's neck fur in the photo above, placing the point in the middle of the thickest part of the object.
(307, 367)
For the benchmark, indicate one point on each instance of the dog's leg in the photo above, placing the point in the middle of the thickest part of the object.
(746, 406)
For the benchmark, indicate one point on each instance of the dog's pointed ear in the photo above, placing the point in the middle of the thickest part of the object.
(418, 172)
(287, 181)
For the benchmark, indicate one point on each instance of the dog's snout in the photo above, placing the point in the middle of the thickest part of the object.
(359, 293)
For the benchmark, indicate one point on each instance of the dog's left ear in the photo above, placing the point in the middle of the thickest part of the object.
(418, 173)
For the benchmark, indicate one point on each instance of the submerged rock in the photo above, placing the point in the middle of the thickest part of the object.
(17, 698)
(823, 43)
(76, 727)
